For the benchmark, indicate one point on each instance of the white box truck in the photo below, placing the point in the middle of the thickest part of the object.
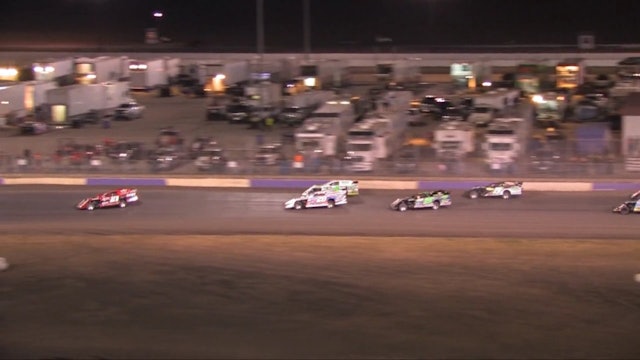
(264, 94)
(454, 140)
(323, 74)
(36, 93)
(12, 102)
(217, 76)
(148, 75)
(101, 69)
(60, 70)
(79, 104)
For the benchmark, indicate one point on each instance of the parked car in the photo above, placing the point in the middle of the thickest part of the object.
(268, 154)
(238, 112)
(126, 151)
(544, 160)
(169, 137)
(293, 115)
(199, 144)
(211, 159)
(129, 111)
(165, 159)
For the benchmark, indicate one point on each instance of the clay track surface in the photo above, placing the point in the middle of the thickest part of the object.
(38, 209)
(107, 285)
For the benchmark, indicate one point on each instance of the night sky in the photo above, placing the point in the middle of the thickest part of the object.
(232, 23)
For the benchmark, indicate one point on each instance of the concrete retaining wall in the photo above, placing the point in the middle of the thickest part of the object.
(368, 184)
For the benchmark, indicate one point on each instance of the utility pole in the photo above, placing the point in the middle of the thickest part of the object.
(307, 28)
(260, 30)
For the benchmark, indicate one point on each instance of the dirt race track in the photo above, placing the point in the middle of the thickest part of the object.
(117, 296)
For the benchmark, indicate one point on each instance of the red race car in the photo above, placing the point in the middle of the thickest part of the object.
(120, 198)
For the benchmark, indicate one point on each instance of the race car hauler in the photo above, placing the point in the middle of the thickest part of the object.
(148, 75)
(505, 140)
(454, 140)
(79, 104)
(316, 135)
(331, 122)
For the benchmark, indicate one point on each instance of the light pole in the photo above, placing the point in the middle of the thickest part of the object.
(307, 28)
(260, 29)
(157, 16)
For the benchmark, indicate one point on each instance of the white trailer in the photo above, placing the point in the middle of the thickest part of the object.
(309, 99)
(148, 75)
(339, 112)
(264, 94)
(506, 140)
(399, 72)
(323, 74)
(116, 93)
(217, 76)
(454, 139)
(12, 102)
(36, 94)
(60, 70)
(316, 135)
(377, 136)
(85, 103)
(472, 74)
(101, 69)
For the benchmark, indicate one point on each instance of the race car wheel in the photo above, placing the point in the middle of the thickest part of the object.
(330, 204)
(298, 205)
(91, 206)
(624, 210)
(473, 194)
(403, 207)
(122, 204)
(506, 195)
(435, 205)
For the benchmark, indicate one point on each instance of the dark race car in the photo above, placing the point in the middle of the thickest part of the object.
(632, 205)
(504, 189)
(116, 198)
(424, 200)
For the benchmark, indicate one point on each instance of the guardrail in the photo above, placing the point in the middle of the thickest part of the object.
(301, 183)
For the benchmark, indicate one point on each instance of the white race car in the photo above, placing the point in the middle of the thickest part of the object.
(350, 186)
(317, 198)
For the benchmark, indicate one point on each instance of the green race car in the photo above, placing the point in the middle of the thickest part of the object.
(424, 200)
